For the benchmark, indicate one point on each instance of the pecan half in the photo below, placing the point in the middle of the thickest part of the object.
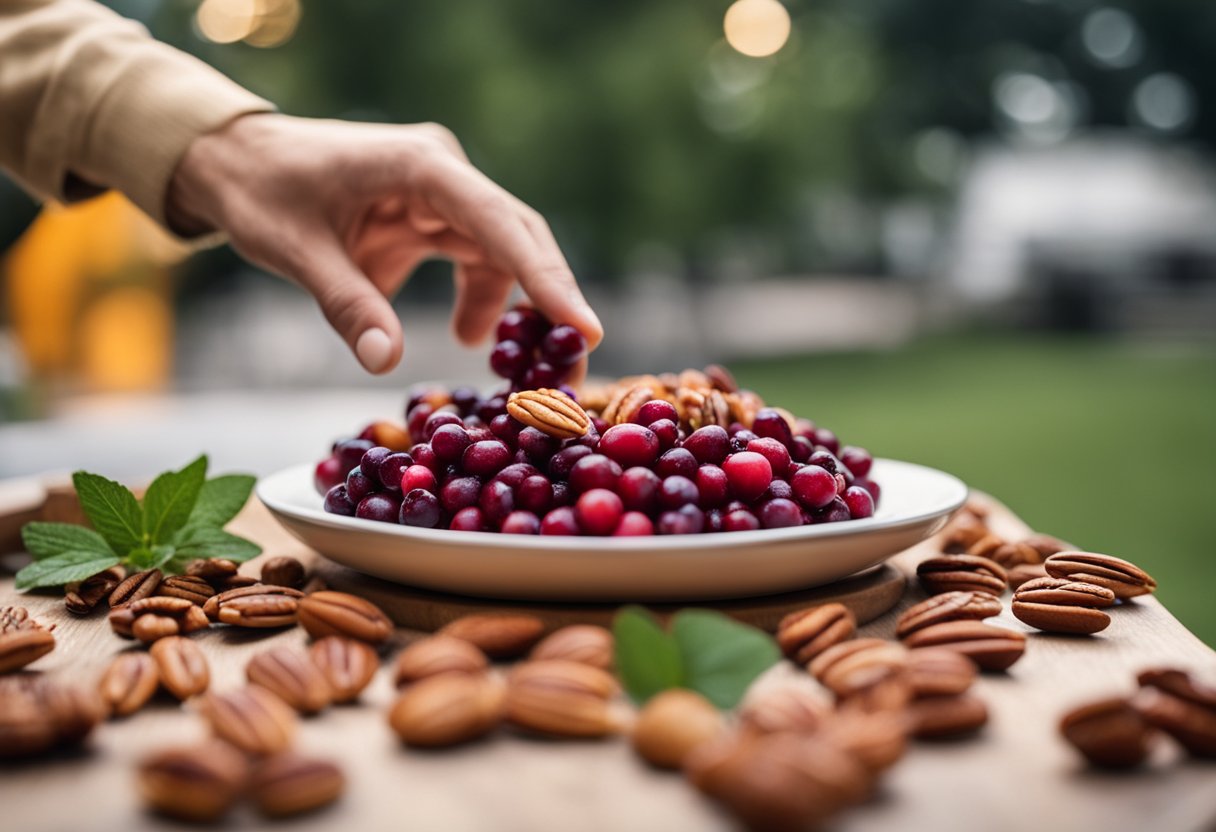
(134, 587)
(330, 613)
(436, 655)
(1058, 605)
(194, 589)
(288, 784)
(1121, 577)
(22, 639)
(347, 664)
(447, 709)
(550, 411)
(182, 666)
(129, 682)
(584, 643)
(291, 675)
(198, 784)
(947, 606)
(498, 636)
(82, 597)
(961, 573)
(251, 718)
(1109, 733)
(562, 699)
(804, 634)
(992, 648)
(626, 401)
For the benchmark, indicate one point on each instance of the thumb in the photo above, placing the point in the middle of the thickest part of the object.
(353, 306)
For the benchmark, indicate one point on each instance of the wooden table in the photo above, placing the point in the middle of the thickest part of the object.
(1017, 775)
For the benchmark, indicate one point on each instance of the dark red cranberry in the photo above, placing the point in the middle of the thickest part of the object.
(437, 420)
(835, 512)
(465, 399)
(748, 473)
(778, 489)
(563, 494)
(598, 511)
(827, 439)
(825, 459)
(804, 427)
(418, 476)
(735, 427)
(423, 455)
(859, 502)
(709, 444)
(358, 485)
(415, 420)
(745, 434)
(735, 505)
(516, 473)
(560, 521)
(778, 455)
(740, 520)
(563, 346)
(521, 522)
(486, 458)
(521, 457)
(814, 487)
(712, 485)
(468, 520)
(535, 494)
(509, 360)
(676, 491)
(654, 410)
(449, 441)
(496, 501)
(857, 459)
(634, 524)
(368, 433)
(713, 520)
(779, 513)
(564, 460)
(459, 493)
(594, 471)
(629, 445)
(869, 485)
(537, 444)
(491, 407)
(350, 453)
(392, 467)
(420, 508)
(541, 374)
(639, 489)
(370, 464)
(328, 473)
(801, 449)
(591, 438)
(769, 422)
(337, 501)
(685, 520)
(668, 433)
(505, 428)
(379, 507)
(523, 325)
(677, 461)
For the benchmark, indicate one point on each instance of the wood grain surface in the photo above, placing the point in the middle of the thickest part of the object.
(1016, 775)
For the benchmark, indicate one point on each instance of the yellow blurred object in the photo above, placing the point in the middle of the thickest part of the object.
(262, 23)
(88, 286)
(757, 28)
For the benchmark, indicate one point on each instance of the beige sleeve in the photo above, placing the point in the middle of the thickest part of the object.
(88, 101)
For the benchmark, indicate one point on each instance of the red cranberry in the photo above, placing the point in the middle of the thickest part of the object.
(392, 467)
(745, 434)
(415, 419)
(505, 428)
(748, 473)
(804, 427)
(337, 501)
(482, 434)
(459, 493)
(468, 520)
(685, 520)
(368, 433)
(535, 494)
(769, 422)
(827, 439)
(523, 325)
(563, 494)
(654, 410)
(801, 449)
(509, 360)
(868, 485)
(778, 455)
(740, 520)
(598, 511)
(536, 443)
(629, 445)
(825, 459)
(521, 522)
(379, 507)
(677, 461)
(594, 471)
(418, 476)
(496, 501)
(358, 485)
(563, 346)
(859, 502)
(437, 420)
(520, 457)
(486, 458)
(516, 473)
(667, 431)
(465, 399)
(735, 505)
(541, 374)
(712, 485)
(835, 512)
(327, 474)
(448, 442)
(420, 508)
(779, 513)
(370, 464)
(599, 425)
(564, 460)
(639, 489)
(713, 520)
(778, 489)
(857, 459)
(814, 487)
(560, 521)
(491, 407)
(677, 491)
(633, 524)
(424, 456)
(350, 453)
(709, 444)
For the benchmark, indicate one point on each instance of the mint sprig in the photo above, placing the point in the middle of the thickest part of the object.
(181, 518)
(704, 651)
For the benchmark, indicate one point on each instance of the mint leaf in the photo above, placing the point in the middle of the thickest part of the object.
(647, 658)
(209, 542)
(155, 557)
(46, 540)
(112, 509)
(170, 499)
(221, 499)
(63, 568)
(721, 657)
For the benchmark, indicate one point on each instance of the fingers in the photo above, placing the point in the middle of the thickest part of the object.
(481, 294)
(353, 306)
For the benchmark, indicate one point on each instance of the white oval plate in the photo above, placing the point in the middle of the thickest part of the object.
(916, 502)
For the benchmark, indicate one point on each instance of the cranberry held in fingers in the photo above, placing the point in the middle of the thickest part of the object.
(712, 486)
(563, 346)
(418, 476)
(740, 520)
(338, 502)
(598, 511)
(509, 360)
(327, 474)
(677, 461)
(594, 471)
(420, 508)
(486, 458)
(813, 486)
(709, 444)
(449, 442)
(496, 501)
(778, 455)
(779, 513)
(859, 502)
(469, 520)
(654, 410)
(748, 473)
(634, 524)
(639, 489)
(629, 445)
(523, 325)
(521, 522)
(379, 507)
(560, 521)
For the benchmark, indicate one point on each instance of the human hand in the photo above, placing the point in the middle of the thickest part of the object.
(348, 210)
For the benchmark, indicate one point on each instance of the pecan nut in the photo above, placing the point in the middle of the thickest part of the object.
(804, 634)
(134, 587)
(289, 784)
(290, 675)
(129, 682)
(198, 784)
(961, 573)
(550, 411)
(277, 613)
(284, 571)
(448, 709)
(672, 724)
(850, 667)
(562, 699)
(435, 655)
(190, 587)
(876, 740)
(934, 671)
(942, 717)
(251, 718)
(991, 648)
(584, 643)
(330, 613)
(785, 708)
(1186, 710)
(38, 714)
(156, 617)
(498, 636)
(1058, 605)
(181, 665)
(947, 606)
(1108, 733)
(1121, 577)
(82, 597)
(347, 664)
(22, 639)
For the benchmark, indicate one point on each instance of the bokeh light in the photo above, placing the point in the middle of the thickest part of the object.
(262, 23)
(1112, 38)
(1163, 101)
(757, 28)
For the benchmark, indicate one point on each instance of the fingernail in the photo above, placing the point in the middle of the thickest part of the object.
(374, 350)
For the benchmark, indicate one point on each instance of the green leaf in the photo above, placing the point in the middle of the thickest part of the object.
(170, 499)
(64, 568)
(143, 557)
(208, 542)
(112, 509)
(721, 657)
(647, 658)
(221, 499)
(46, 540)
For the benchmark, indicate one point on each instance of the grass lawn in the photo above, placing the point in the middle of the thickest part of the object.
(1108, 444)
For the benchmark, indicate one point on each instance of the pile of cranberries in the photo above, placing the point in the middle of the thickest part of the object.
(472, 467)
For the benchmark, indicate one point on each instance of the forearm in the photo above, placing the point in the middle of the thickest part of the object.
(88, 101)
